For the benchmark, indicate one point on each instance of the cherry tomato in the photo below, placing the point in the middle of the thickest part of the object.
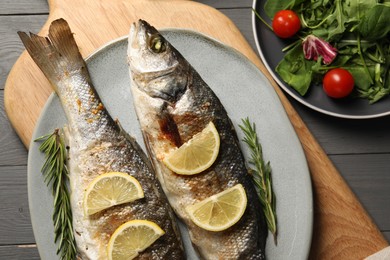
(286, 23)
(338, 83)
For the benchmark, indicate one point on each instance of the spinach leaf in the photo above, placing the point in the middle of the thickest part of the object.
(360, 76)
(295, 70)
(356, 9)
(376, 23)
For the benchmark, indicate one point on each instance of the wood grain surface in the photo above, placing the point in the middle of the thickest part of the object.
(342, 229)
(97, 22)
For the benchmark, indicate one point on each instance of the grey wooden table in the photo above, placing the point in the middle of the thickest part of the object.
(359, 149)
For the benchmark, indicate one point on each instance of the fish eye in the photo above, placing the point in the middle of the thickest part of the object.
(157, 43)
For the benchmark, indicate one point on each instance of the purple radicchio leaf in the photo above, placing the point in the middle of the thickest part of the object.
(313, 47)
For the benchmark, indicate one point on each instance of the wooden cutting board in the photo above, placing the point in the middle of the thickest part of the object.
(342, 228)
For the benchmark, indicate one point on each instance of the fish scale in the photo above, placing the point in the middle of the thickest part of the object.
(98, 145)
(168, 91)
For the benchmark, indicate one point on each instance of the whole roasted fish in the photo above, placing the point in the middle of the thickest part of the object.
(173, 104)
(97, 146)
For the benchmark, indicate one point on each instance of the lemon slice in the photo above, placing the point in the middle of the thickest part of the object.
(131, 238)
(220, 211)
(110, 189)
(197, 154)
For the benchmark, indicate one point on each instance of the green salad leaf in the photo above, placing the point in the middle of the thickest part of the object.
(356, 9)
(271, 7)
(358, 29)
(376, 23)
(295, 70)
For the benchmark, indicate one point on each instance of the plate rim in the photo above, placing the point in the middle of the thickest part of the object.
(289, 90)
(109, 44)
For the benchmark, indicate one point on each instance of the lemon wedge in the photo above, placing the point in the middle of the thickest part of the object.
(110, 189)
(197, 154)
(220, 211)
(131, 238)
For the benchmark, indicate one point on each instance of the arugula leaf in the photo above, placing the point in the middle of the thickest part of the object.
(333, 19)
(374, 93)
(376, 23)
(319, 68)
(295, 70)
(271, 7)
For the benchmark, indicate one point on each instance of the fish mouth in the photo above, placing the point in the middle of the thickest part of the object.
(141, 29)
(144, 25)
(133, 35)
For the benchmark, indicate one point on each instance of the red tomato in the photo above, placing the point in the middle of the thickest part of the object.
(286, 23)
(338, 83)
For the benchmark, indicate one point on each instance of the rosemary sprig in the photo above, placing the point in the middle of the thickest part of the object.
(261, 175)
(55, 174)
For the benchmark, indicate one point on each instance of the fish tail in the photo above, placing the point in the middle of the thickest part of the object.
(57, 55)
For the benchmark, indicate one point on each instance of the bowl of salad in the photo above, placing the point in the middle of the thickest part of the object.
(330, 55)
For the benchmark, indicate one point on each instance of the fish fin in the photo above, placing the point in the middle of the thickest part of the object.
(123, 131)
(56, 55)
(168, 126)
(130, 138)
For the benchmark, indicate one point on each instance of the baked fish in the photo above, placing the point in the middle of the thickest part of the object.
(173, 104)
(97, 145)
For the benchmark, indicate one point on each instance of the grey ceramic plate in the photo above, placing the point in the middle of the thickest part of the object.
(270, 48)
(243, 90)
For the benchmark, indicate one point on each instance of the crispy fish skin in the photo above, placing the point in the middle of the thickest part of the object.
(173, 103)
(97, 145)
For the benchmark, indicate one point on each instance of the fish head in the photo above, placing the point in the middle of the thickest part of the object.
(156, 67)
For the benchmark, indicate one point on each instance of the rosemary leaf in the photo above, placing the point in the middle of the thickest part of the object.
(261, 175)
(55, 175)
